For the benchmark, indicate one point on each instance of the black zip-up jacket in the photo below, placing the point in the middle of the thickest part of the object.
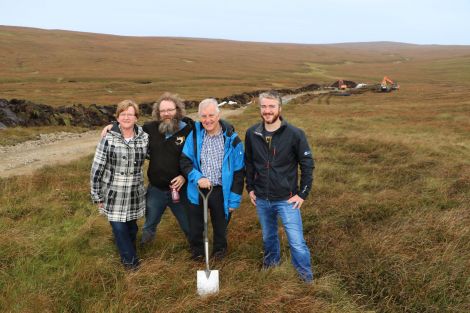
(165, 153)
(272, 172)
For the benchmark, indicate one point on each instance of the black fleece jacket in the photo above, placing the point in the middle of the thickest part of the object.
(165, 153)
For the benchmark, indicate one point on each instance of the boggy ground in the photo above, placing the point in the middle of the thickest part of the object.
(387, 222)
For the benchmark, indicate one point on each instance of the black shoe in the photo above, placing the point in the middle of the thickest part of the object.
(219, 255)
(197, 257)
(147, 237)
(197, 254)
(267, 267)
(132, 267)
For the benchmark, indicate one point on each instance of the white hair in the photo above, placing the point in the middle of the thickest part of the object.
(207, 102)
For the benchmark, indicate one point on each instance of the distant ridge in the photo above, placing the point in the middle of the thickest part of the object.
(67, 67)
(373, 43)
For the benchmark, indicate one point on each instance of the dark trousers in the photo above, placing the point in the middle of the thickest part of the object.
(219, 223)
(157, 201)
(125, 234)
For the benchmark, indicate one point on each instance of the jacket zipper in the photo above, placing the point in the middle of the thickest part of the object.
(268, 165)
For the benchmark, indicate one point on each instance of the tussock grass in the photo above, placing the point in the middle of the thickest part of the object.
(391, 200)
(387, 221)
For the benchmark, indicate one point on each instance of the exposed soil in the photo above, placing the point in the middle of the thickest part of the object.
(57, 148)
(17, 112)
(63, 147)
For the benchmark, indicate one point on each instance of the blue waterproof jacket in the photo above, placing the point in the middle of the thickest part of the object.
(233, 166)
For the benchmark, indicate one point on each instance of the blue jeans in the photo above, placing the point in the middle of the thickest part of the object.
(268, 212)
(157, 201)
(125, 234)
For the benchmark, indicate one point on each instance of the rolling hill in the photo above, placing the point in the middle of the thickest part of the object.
(63, 67)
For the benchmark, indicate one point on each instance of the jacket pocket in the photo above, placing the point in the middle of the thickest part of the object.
(137, 195)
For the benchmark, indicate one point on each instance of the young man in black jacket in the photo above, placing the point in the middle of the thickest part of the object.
(274, 150)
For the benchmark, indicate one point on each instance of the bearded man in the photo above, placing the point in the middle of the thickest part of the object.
(167, 135)
(274, 152)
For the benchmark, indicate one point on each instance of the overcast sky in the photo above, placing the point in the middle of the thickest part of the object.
(294, 21)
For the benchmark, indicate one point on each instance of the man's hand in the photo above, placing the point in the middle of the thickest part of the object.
(178, 182)
(253, 197)
(105, 130)
(297, 201)
(100, 205)
(204, 183)
(231, 210)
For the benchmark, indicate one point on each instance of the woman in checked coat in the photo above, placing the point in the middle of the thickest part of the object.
(117, 180)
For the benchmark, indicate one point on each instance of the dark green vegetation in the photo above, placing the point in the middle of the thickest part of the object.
(388, 219)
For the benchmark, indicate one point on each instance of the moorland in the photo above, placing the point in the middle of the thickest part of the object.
(388, 220)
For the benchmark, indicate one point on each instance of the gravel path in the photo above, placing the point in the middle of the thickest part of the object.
(56, 148)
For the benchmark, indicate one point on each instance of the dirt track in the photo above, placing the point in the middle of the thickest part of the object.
(58, 148)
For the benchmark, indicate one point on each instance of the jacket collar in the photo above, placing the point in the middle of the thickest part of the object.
(227, 128)
(116, 131)
(188, 120)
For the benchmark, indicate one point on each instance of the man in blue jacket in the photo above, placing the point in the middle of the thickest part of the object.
(212, 156)
(275, 150)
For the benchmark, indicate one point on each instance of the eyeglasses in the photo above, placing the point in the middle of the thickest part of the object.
(126, 115)
(167, 111)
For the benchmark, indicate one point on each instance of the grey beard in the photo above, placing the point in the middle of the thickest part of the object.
(171, 127)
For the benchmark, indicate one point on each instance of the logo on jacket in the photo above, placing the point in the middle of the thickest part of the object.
(179, 140)
(307, 152)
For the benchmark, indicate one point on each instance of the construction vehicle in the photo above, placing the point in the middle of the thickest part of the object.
(388, 85)
(342, 85)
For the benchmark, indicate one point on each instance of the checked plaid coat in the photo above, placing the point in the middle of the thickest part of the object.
(116, 177)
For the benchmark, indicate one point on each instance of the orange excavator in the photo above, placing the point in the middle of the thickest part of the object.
(388, 85)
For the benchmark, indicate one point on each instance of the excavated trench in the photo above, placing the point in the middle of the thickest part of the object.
(26, 113)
